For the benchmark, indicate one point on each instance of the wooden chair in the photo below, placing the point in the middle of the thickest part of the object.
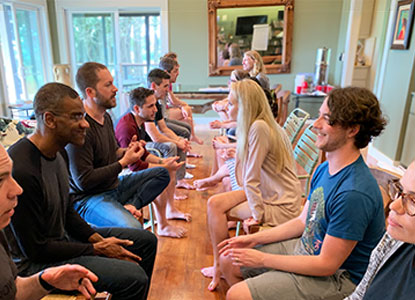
(306, 155)
(276, 89)
(150, 222)
(295, 122)
(383, 178)
(283, 98)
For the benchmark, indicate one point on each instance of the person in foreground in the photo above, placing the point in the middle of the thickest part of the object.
(265, 169)
(45, 230)
(391, 270)
(324, 252)
(68, 277)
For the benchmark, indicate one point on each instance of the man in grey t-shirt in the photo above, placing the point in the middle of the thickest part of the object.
(102, 197)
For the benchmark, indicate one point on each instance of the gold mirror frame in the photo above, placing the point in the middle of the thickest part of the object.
(213, 5)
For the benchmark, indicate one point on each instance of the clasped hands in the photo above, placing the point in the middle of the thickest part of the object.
(239, 250)
(184, 144)
(216, 124)
(171, 164)
(133, 152)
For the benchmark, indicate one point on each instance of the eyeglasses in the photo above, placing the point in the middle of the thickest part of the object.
(408, 200)
(75, 116)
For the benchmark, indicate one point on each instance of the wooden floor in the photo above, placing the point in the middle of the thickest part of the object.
(177, 269)
(178, 263)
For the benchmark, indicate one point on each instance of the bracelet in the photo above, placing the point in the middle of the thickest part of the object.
(44, 284)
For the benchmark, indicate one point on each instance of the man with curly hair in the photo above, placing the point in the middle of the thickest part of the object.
(323, 253)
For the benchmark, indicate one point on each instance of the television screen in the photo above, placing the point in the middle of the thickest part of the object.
(245, 25)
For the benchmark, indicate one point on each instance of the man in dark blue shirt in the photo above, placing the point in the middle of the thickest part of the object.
(324, 252)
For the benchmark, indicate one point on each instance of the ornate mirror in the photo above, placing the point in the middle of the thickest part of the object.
(236, 26)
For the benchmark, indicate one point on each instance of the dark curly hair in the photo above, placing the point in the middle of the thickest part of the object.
(157, 76)
(352, 106)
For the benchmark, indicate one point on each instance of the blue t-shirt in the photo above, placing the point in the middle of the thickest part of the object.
(346, 205)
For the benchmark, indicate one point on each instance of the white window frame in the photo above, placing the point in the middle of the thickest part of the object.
(45, 44)
(66, 7)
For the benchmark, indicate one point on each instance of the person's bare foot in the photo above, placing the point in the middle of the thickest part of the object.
(196, 140)
(172, 231)
(180, 195)
(208, 271)
(214, 274)
(203, 184)
(179, 215)
(232, 224)
(194, 154)
(184, 185)
(133, 210)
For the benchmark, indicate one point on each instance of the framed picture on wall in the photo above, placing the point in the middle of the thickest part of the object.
(403, 24)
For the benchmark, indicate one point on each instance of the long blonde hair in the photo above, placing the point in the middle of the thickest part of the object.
(258, 63)
(252, 106)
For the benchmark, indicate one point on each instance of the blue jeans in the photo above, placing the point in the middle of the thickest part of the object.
(180, 128)
(138, 188)
(123, 279)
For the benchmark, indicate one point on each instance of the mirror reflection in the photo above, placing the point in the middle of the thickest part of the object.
(249, 28)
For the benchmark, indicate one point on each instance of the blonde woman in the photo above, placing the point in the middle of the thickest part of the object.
(265, 170)
(253, 63)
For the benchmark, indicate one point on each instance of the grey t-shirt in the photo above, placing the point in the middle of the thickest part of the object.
(8, 271)
(94, 167)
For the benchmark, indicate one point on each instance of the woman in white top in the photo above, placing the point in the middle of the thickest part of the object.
(265, 168)
(253, 63)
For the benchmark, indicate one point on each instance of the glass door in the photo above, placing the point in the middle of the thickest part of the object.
(24, 51)
(127, 43)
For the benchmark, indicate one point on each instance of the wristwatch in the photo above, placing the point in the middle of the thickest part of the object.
(44, 284)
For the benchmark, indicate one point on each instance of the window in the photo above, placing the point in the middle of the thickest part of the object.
(127, 43)
(27, 62)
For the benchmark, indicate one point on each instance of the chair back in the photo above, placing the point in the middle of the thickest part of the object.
(283, 98)
(295, 122)
(383, 177)
(306, 155)
(277, 88)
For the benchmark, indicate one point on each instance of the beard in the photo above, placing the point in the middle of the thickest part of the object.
(333, 143)
(146, 118)
(107, 103)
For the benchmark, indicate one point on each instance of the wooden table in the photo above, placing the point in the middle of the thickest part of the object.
(202, 95)
(21, 111)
